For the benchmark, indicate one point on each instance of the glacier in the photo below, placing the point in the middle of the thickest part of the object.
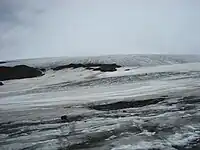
(159, 97)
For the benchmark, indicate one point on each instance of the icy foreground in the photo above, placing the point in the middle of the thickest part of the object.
(153, 106)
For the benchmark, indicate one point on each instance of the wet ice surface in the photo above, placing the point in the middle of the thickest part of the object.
(154, 108)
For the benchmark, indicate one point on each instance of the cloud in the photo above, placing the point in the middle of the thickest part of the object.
(75, 28)
(28, 27)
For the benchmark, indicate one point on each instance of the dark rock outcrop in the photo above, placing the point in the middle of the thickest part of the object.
(1, 83)
(64, 118)
(90, 66)
(74, 66)
(127, 104)
(42, 69)
(127, 69)
(106, 68)
(18, 72)
(3, 62)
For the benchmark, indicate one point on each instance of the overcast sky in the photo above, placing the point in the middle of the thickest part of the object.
(41, 28)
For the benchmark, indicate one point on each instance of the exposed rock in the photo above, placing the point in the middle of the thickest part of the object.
(124, 111)
(42, 69)
(64, 118)
(1, 83)
(3, 62)
(18, 72)
(105, 69)
(127, 69)
(89, 66)
(127, 104)
(68, 66)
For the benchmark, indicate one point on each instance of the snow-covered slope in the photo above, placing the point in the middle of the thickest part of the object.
(124, 60)
(154, 105)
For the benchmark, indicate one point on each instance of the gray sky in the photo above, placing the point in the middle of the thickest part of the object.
(39, 28)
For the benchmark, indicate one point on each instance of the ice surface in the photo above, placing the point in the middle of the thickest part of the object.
(30, 109)
(124, 60)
